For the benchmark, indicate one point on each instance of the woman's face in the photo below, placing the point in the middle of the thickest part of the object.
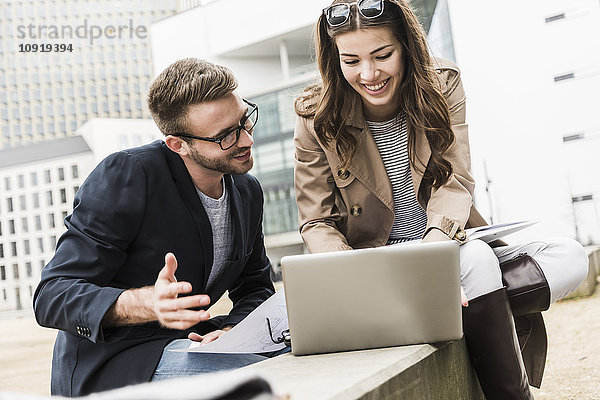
(370, 60)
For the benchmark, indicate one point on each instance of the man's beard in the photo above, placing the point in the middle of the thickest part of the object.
(227, 165)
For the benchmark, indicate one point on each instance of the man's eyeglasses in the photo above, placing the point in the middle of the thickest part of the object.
(228, 139)
(338, 14)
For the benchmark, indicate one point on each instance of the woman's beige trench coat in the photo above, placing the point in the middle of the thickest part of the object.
(345, 208)
(353, 208)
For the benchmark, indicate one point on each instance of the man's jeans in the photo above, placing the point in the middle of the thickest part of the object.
(175, 364)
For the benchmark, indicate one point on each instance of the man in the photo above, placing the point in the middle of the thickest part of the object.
(157, 234)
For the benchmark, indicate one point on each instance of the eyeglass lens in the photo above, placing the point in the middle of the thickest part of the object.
(338, 14)
(370, 8)
(233, 136)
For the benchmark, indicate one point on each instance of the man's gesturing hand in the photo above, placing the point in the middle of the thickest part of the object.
(173, 311)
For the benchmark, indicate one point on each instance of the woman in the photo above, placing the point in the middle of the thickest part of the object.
(382, 156)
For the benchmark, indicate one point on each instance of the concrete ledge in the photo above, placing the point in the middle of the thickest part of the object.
(589, 283)
(440, 371)
(594, 256)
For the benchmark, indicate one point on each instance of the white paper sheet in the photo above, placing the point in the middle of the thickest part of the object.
(251, 335)
(492, 232)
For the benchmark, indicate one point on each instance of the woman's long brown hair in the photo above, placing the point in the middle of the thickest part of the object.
(420, 96)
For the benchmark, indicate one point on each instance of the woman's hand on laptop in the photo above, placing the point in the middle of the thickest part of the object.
(463, 298)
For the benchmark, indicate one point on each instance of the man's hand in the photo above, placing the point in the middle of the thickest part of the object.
(173, 311)
(209, 337)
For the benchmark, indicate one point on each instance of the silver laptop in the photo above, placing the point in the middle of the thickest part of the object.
(369, 298)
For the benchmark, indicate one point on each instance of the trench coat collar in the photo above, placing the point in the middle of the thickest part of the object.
(368, 167)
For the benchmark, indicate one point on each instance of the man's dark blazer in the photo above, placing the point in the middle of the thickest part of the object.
(136, 206)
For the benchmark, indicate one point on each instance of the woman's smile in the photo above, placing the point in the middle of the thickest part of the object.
(371, 62)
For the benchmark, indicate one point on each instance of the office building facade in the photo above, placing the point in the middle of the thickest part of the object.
(37, 185)
(63, 62)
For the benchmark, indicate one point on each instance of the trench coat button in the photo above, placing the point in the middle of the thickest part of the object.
(343, 173)
(461, 235)
(355, 211)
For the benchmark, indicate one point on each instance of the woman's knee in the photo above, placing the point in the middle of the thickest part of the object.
(573, 255)
(480, 271)
(565, 265)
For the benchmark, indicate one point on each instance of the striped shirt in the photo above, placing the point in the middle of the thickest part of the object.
(391, 138)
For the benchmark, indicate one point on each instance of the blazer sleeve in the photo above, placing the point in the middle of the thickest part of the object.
(74, 292)
(318, 216)
(254, 284)
(449, 206)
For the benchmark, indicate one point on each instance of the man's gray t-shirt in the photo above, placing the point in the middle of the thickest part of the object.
(218, 211)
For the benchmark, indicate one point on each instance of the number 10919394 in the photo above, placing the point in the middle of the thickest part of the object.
(45, 48)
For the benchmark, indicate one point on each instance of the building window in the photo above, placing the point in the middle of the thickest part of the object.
(36, 200)
(34, 177)
(2, 273)
(21, 181)
(24, 225)
(40, 242)
(564, 77)
(75, 189)
(13, 247)
(9, 204)
(47, 177)
(4, 294)
(556, 17)
(61, 174)
(63, 196)
(42, 264)
(28, 269)
(26, 247)
(64, 214)
(7, 183)
(16, 271)
(51, 222)
(49, 200)
(38, 223)
(11, 226)
(1, 250)
(53, 242)
(74, 171)
(22, 203)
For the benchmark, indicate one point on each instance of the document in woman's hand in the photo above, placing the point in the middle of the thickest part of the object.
(490, 233)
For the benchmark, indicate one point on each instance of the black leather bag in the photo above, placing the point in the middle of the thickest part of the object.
(526, 285)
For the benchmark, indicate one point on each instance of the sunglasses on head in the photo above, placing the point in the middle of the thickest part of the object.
(338, 14)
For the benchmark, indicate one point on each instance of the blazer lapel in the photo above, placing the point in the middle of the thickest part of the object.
(238, 223)
(190, 197)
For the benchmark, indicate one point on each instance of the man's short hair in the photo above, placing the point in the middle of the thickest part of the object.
(186, 82)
